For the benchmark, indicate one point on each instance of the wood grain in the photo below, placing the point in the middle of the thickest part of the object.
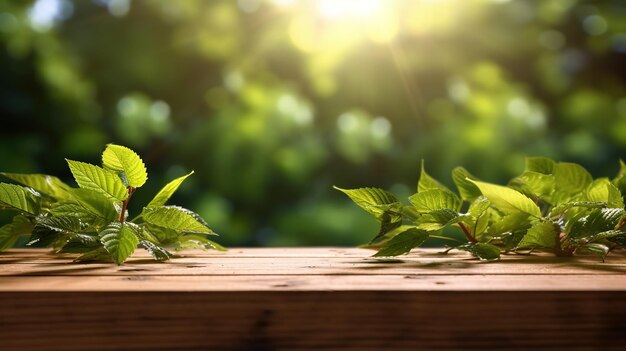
(312, 298)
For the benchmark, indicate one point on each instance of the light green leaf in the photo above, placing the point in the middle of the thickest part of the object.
(468, 190)
(560, 209)
(98, 179)
(408, 237)
(9, 233)
(43, 183)
(510, 229)
(163, 236)
(120, 240)
(541, 234)
(426, 182)
(167, 191)
(435, 199)
(122, 159)
(195, 241)
(537, 184)
(483, 251)
(373, 200)
(508, 200)
(541, 165)
(602, 190)
(571, 178)
(479, 206)
(176, 218)
(19, 198)
(157, 252)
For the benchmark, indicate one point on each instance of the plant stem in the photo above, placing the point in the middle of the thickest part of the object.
(131, 190)
(467, 233)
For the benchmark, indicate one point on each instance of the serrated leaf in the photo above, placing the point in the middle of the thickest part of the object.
(373, 200)
(541, 165)
(158, 253)
(163, 236)
(557, 210)
(468, 190)
(64, 224)
(96, 203)
(479, 206)
(80, 243)
(438, 219)
(435, 199)
(597, 221)
(122, 159)
(542, 234)
(19, 198)
(426, 182)
(196, 241)
(41, 236)
(98, 179)
(602, 190)
(388, 222)
(167, 191)
(571, 178)
(43, 183)
(483, 251)
(510, 229)
(508, 200)
(10, 232)
(120, 240)
(176, 218)
(408, 238)
(597, 249)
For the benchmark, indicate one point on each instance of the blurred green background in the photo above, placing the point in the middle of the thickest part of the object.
(273, 102)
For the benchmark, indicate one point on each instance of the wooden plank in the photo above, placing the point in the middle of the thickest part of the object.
(344, 320)
(310, 299)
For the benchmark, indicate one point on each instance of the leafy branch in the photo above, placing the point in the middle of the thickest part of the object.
(555, 207)
(92, 220)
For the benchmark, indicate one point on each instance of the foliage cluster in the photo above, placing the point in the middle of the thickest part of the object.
(92, 220)
(556, 207)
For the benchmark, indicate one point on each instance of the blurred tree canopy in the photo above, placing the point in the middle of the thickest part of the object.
(272, 102)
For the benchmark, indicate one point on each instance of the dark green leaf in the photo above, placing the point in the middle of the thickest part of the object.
(9, 233)
(484, 251)
(408, 237)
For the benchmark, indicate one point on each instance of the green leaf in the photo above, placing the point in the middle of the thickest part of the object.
(373, 200)
(99, 254)
(426, 182)
(163, 236)
(508, 200)
(95, 203)
(560, 209)
(176, 218)
(537, 184)
(484, 251)
(408, 238)
(599, 220)
(388, 222)
(120, 240)
(41, 236)
(602, 190)
(157, 252)
(479, 206)
(597, 249)
(510, 229)
(431, 200)
(541, 234)
(10, 232)
(541, 165)
(19, 198)
(468, 190)
(122, 159)
(43, 183)
(62, 224)
(167, 191)
(80, 243)
(98, 179)
(195, 241)
(571, 178)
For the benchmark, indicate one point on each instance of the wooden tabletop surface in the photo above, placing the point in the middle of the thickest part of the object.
(310, 269)
(312, 299)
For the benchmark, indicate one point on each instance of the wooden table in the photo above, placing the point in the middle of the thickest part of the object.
(309, 299)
